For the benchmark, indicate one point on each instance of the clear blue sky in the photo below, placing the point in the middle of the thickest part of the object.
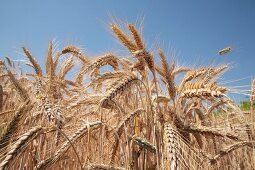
(195, 29)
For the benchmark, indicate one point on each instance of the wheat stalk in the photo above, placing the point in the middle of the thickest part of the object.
(122, 85)
(76, 52)
(65, 68)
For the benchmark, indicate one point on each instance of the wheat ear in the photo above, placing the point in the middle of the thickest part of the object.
(210, 131)
(21, 91)
(122, 85)
(23, 140)
(168, 74)
(137, 37)
(123, 38)
(13, 125)
(76, 52)
(230, 149)
(170, 146)
(35, 64)
(198, 89)
(49, 65)
(109, 59)
(65, 68)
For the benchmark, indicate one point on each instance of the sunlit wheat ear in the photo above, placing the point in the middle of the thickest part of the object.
(109, 76)
(123, 38)
(76, 52)
(213, 73)
(11, 127)
(136, 36)
(126, 64)
(89, 100)
(204, 130)
(192, 75)
(227, 150)
(65, 68)
(147, 57)
(121, 86)
(171, 147)
(167, 73)
(56, 60)
(21, 91)
(107, 59)
(35, 64)
(200, 90)
(80, 76)
(38, 88)
(49, 65)
(220, 103)
(179, 70)
(15, 148)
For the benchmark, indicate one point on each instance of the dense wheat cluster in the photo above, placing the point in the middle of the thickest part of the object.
(120, 113)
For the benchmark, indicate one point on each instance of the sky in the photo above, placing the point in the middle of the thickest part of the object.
(194, 30)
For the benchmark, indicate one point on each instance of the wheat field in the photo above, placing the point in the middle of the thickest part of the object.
(120, 113)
